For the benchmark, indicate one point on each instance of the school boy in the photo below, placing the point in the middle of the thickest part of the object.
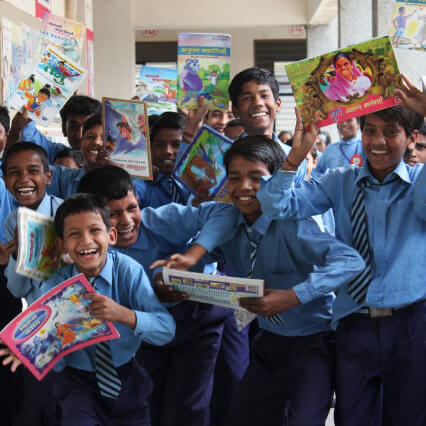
(26, 174)
(293, 363)
(417, 147)
(380, 315)
(73, 116)
(125, 297)
(66, 158)
(146, 236)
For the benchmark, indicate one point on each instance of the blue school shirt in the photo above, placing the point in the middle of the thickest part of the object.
(30, 133)
(340, 154)
(125, 281)
(167, 229)
(293, 253)
(19, 285)
(64, 181)
(5, 209)
(156, 193)
(396, 232)
(420, 195)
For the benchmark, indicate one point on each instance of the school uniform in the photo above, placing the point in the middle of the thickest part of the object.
(190, 358)
(293, 360)
(125, 281)
(64, 181)
(378, 358)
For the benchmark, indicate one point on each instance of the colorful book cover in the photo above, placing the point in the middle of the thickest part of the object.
(204, 64)
(407, 28)
(64, 35)
(38, 255)
(350, 82)
(157, 87)
(55, 325)
(214, 289)
(45, 91)
(201, 166)
(223, 193)
(126, 134)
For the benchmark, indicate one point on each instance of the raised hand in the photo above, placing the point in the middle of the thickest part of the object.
(411, 97)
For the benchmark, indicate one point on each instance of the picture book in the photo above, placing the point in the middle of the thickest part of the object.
(407, 27)
(157, 87)
(201, 166)
(350, 82)
(38, 255)
(126, 134)
(203, 70)
(44, 92)
(64, 35)
(55, 325)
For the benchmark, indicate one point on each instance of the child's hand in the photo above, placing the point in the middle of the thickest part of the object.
(272, 303)
(18, 124)
(165, 293)
(11, 358)
(176, 261)
(5, 251)
(194, 120)
(411, 97)
(105, 309)
(303, 141)
(201, 197)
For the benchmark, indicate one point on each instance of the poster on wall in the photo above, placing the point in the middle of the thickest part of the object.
(90, 61)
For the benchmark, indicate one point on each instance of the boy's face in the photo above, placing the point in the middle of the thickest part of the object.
(125, 215)
(384, 144)
(67, 162)
(165, 148)
(218, 119)
(257, 108)
(86, 240)
(417, 148)
(3, 136)
(73, 129)
(26, 178)
(243, 183)
(93, 142)
(348, 128)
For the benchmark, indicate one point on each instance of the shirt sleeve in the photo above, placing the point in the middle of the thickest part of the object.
(30, 133)
(18, 285)
(335, 262)
(420, 195)
(280, 199)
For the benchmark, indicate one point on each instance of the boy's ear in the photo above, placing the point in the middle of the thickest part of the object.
(112, 236)
(48, 176)
(60, 244)
(278, 104)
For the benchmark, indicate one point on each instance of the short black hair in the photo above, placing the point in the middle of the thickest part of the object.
(21, 147)
(259, 75)
(65, 153)
(168, 120)
(80, 105)
(256, 148)
(80, 203)
(112, 182)
(406, 118)
(234, 123)
(94, 120)
(422, 128)
(5, 118)
(152, 119)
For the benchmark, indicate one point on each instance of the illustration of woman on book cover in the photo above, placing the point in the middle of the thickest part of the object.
(345, 80)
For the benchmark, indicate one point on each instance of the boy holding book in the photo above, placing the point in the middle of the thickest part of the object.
(379, 210)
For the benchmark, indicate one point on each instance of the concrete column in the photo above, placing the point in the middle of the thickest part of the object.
(355, 21)
(114, 48)
(322, 38)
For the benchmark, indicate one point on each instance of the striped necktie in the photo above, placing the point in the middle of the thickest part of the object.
(173, 190)
(253, 253)
(358, 286)
(109, 382)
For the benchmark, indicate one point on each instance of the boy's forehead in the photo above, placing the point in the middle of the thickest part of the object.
(254, 86)
(82, 218)
(27, 156)
(376, 120)
(122, 203)
(240, 164)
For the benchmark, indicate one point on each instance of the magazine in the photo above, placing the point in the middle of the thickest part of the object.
(45, 91)
(203, 70)
(214, 289)
(64, 35)
(157, 87)
(408, 25)
(38, 255)
(201, 166)
(55, 325)
(126, 134)
(350, 82)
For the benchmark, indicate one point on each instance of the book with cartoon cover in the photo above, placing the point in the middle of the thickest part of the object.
(201, 167)
(157, 87)
(44, 92)
(349, 82)
(55, 325)
(38, 255)
(203, 70)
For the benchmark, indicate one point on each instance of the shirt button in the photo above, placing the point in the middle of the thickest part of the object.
(249, 229)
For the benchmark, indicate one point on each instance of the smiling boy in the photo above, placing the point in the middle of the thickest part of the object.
(380, 315)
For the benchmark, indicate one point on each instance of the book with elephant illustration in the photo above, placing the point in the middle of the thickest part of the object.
(203, 70)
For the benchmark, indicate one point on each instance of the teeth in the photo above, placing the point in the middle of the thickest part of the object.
(245, 198)
(88, 251)
(259, 114)
(26, 190)
(378, 152)
(168, 161)
(126, 230)
(92, 151)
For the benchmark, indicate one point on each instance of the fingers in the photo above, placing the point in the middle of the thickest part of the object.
(157, 263)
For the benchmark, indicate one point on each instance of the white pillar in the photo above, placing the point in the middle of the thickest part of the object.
(322, 38)
(355, 21)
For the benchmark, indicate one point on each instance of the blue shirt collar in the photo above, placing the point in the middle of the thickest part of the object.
(400, 171)
(44, 206)
(107, 271)
(261, 225)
